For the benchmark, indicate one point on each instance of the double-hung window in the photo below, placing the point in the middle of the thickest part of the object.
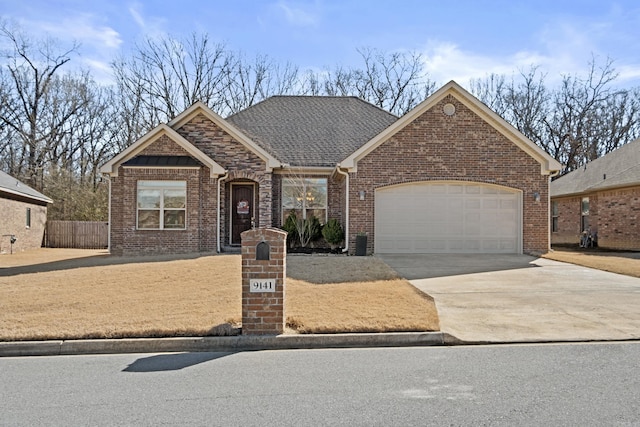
(162, 205)
(554, 216)
(584, 214)
(306, 197)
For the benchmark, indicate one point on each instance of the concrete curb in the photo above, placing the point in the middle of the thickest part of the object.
(221, 344)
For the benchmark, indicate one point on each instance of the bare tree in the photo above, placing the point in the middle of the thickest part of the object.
(248, 83)
(577, 122)
(492, 91)
(583, 125)
(165, 76)
(302, 196)
(393, 81)
(35, 113)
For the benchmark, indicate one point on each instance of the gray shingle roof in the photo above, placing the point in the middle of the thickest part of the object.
(619, 168)
(9, 184)
(309, 131)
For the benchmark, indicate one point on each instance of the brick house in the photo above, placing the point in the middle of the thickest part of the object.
(23, 215)
(449, 176)
(603, 197)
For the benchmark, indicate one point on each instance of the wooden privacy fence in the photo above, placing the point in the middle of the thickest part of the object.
(77, 234)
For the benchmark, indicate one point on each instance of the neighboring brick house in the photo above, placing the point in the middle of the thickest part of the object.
(603, 197)
(449, 176)
(23, 215)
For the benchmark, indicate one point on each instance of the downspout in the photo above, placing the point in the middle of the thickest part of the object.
(346, 225)
(220, 179)
(109, 219)
(551, 175)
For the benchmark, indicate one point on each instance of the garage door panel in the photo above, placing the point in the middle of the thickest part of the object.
(447, 218)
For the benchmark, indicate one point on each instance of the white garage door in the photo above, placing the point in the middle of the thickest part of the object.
(447, 217)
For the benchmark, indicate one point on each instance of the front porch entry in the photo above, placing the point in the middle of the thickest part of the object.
(242, 209)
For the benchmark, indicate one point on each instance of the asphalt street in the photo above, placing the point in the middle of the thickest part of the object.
(544, 384)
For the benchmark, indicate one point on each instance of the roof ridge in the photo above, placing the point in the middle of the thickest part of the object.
(613, 153)
(20, 188)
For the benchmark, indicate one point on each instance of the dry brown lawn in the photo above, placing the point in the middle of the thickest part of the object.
(72, 294)
(627, 263)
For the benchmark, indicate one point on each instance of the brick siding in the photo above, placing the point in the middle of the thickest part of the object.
(263, 312)
(433, 147)
(619, 219)
(462, 147)
(233, 156)
(14, 217)
(613, 214)
(569, 218)
(200, 233)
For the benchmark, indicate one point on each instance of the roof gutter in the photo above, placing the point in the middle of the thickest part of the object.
(346, 225)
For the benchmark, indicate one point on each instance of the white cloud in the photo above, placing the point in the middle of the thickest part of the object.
(101, 71)
(81, 28)
(150, 25)
(562, 46)
(296, 15)
(445, 61)
(629, 73)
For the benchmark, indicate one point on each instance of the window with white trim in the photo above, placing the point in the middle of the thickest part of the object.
(584, 214)
(306, 197)
(162, 205)
(28, 218)
(554, 216)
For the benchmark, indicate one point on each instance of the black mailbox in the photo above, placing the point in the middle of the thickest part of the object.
(263, 252)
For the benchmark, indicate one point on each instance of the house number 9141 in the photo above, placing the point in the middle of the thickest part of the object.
(262, 285)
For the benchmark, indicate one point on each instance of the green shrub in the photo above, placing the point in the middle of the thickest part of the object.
(333, 232)
(301, 231)
(291, 227)
(313, 228)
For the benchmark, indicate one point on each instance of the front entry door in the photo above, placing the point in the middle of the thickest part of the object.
(242, 210)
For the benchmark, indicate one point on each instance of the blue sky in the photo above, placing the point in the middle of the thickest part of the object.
(458, 39)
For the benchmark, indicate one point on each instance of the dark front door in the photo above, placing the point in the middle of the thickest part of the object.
(242, 211)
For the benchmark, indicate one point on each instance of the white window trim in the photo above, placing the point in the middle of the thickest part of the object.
(170, 185)
(284, 210)
(584, 215)
(555, 215)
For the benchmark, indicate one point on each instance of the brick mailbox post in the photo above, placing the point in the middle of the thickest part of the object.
(264, 256)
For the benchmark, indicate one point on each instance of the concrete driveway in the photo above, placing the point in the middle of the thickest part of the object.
(518, 298)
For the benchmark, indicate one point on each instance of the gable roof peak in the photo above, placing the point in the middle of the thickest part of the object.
(111, 167)
(200, 107)
(548, 164)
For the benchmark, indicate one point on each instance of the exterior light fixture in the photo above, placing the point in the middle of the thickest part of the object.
(362, 194)
(536, 196)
